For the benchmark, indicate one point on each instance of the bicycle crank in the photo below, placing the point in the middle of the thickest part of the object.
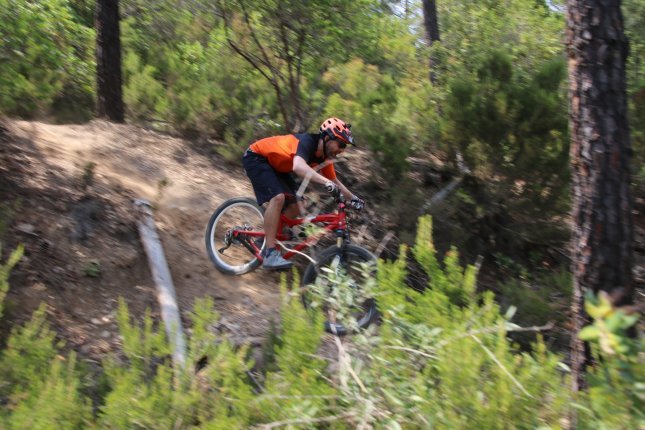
(232, 236)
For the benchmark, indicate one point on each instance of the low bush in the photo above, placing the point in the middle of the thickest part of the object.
(440, 358)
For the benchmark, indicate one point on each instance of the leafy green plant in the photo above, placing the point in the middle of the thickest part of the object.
(542, 298)
(92, 269)
(368, 97)
(340, 292)
(440, 358)
(5, 269)
(46, 57)
(463, 370)
(54, 402)
(40, 388)
(509, 266)
(145, 390)
(616, 392)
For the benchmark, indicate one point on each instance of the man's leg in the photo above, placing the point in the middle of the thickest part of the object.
(272, 257)
(272, 219)
(293, 210)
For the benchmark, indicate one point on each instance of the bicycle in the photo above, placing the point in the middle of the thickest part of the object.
(235, 241)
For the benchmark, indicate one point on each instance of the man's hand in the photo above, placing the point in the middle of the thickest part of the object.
(357, 203)
(332, 189)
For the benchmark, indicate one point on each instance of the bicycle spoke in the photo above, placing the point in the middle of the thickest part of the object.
(228, 245)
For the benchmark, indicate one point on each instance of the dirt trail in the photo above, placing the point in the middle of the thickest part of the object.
(82, 250)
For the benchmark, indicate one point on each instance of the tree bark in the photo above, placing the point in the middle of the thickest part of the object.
(432, 31)
(600, 154)
(108, 61)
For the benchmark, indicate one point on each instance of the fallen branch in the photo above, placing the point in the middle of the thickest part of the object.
(163, 282)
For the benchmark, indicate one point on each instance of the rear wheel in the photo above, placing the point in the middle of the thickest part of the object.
(342, 283)
(230, 254)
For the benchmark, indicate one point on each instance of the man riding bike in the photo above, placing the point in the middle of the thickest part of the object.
(269, 163)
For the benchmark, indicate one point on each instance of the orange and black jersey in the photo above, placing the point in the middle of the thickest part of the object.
(281, 150)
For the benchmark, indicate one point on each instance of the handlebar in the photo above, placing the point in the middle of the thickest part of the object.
(341, 200)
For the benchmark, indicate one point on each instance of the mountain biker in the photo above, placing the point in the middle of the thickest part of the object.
(270, 162)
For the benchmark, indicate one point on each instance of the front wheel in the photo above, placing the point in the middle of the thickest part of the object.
(231, 255)
(342, 282)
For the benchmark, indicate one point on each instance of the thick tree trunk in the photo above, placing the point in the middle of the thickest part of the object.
(432, 31)
(108, 61)
(600, 159)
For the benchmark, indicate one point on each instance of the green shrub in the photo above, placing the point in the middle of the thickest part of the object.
(48, 63)
(366, 97)
(39, 389)
(440, 358)
(5, 269)
(54, 402)
(540, 299)
(463, 370)
(614, 398)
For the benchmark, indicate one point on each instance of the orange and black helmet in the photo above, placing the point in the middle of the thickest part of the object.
(337, 129)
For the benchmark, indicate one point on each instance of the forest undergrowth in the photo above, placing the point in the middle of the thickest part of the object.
(440, 357)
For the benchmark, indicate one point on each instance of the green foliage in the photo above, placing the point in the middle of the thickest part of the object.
(57, 399)
(441, 358)
(511, 128)
(92, 269)
(144, 96)
(511, 124)
(188, 80)
(40, 391)
(340, 292)
(616, 392)
(5, 269)
(634, 13)
(147, 392)
(46, 60)
(471, 30)
(468, 375)
(501, 103)
(539, 299)
(369, 97)
(292, 54)
(300, 381)
(29, 351)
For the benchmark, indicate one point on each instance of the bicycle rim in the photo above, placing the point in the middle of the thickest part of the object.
(236, 258)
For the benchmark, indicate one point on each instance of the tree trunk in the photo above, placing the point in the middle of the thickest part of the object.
(600, 159)
(108, 61)
(432, 31)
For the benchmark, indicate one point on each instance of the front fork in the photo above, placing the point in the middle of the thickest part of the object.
(342, 238)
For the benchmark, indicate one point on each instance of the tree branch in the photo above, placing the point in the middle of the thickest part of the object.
(251, 59)
(266, 60)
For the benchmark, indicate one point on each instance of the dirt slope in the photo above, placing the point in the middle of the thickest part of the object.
(66, 192)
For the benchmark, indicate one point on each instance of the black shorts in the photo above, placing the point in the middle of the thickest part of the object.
(267, 183)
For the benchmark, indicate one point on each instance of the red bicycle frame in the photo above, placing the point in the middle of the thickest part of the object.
(336, 222)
